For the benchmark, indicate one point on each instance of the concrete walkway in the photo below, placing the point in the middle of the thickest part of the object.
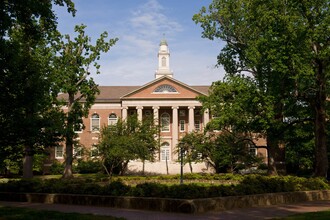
(239, 214)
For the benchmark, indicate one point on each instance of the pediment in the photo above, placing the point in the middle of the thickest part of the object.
(164, 88)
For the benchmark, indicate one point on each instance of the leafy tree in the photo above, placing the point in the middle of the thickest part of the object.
(284, 45)
(191, 144)
(73, 79)
(224, 151)
(127, 140)
(25, 32)
(241, 109)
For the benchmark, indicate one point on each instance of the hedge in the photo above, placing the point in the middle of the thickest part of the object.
(250, 184)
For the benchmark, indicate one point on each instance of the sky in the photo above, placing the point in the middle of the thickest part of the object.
(140, 25)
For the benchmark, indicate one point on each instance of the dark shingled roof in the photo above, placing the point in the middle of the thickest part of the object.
(114, 93)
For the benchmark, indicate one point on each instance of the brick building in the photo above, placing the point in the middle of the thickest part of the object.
(172, 103)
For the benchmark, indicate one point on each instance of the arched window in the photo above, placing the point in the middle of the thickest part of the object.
(165, 122)
(165, 151)
(165, 89)
(95, 123)
(163, 61)
(112, 119)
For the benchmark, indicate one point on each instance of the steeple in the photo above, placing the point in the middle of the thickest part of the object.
(163, 60)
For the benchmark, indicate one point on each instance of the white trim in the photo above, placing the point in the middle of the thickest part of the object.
(59, 157)
(184, 125)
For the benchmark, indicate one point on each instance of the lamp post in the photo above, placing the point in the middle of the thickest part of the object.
(181, 161)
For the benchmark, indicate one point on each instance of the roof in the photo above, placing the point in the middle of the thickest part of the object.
(114, 93)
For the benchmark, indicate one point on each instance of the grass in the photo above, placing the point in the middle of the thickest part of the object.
(323, 215)
(11, 213)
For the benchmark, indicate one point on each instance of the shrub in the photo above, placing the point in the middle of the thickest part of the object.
(56, 168)
(116, 188)
(150, 190)
(250, 184)
(89, 166)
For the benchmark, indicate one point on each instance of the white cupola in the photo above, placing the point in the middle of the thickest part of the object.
(163, 60)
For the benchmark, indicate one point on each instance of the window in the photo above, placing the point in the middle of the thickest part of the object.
(182, 112)
(165, 152)
(147, 113)
(95, 123)
(197, 112)
(77, 151)
(182, 125)
(252, 150)
(165, 122)
(197, 125)
(59, 152)
(163, 61)
(94, 151)
(165, 89)
(112, 119)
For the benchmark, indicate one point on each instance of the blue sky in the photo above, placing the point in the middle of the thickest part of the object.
(140, 25)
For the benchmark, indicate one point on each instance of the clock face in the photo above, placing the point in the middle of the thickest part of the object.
(165, 89)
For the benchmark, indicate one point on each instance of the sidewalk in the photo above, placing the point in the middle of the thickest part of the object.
(239, 214)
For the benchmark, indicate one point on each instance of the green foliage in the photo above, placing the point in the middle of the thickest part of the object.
(283, 46)
(116, 188)
(127, 140)
(89, 166)
(73, 69)
(249, 184)
(56, 168)
(38, 163)
(227, 151)
(25, 59)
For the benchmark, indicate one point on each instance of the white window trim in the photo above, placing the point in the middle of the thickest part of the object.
(93, 148)
(59, 157)
(165, 147)
(99, 119)
(75, 152)
(184, 125)
(161, 122)
(199, 125)
(112, 121)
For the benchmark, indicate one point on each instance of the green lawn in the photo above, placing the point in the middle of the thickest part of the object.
(31, 214)
(324, 215)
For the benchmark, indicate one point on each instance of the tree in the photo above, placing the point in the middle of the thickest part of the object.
(127, 140)
(192, 144)
(284, 45)
(73, 79)
(25, 31)
(241, 110)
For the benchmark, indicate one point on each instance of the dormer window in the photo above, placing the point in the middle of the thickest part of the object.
(165, 89)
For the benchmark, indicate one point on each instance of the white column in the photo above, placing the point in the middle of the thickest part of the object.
(156, 114)
(206, 117)
(124, 113)
(175, 125)
(191, 122)
(139, 112)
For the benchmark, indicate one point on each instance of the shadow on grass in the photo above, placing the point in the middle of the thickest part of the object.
(31, 214)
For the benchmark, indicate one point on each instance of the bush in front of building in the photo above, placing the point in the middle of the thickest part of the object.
(89, 166)
(56, 168)
(250, 184)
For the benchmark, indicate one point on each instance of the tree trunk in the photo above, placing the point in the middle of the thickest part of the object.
(27, 162)
(68, 159)
(190, 166)
(143, 164)
(69, 140)
(321, 155)
(272, 145)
